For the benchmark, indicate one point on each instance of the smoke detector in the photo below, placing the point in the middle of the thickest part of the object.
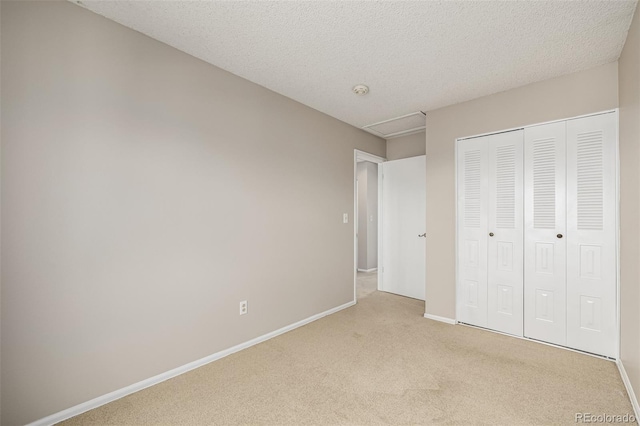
(360, 89)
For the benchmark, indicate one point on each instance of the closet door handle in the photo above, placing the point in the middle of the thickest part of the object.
(559, 235)
(491, 234)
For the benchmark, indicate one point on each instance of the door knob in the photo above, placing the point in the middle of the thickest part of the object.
(491, 234)
(423, 235)
(559, 235)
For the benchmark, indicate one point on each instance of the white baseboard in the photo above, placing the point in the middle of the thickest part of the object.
(627, 384)
(367, 270)
(441, 319)
(120, 393)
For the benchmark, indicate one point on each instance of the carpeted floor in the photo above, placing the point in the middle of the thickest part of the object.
(367, 284)
(380, 362)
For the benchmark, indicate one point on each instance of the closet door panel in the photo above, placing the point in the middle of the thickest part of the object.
(505, 222)
(471, 287)
(544, 233)
(591, 234)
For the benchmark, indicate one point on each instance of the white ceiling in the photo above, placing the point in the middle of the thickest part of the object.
(414, 55)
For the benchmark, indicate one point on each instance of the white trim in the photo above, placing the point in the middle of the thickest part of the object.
(357, 157)
(394, 119)
(374, 132)
(441, 319)
(627, 385)
(365, 156)
(536, 124)
(368, 127)
(529, 339)
(380, 218)
(120, 393)
(618, 222)
(367, 270)
(457, 231)
(408, 132)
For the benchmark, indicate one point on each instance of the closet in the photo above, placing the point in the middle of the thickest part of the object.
(537, 232)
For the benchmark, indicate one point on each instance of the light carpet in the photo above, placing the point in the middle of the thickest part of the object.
(380, 362)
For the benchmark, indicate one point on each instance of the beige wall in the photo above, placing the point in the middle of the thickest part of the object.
(629, 89)
(571, 95)
(406, 146)
(144, 194)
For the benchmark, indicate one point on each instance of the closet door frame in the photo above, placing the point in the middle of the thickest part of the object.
(616, 215)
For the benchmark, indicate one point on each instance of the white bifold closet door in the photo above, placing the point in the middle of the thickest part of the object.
(490, 203)
(570, 233)
(591, 234)
(537, 233)
(473, 178)
(545, 240)
(505, 247)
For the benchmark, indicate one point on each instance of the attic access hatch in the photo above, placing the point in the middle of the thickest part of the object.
(399, 126)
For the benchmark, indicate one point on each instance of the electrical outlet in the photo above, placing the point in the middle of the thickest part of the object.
(244, 307)
(345, 218)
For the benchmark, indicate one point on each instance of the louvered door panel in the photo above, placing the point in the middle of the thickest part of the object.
(544, 221)
(471, 286)
(591, 234)
(505, 219)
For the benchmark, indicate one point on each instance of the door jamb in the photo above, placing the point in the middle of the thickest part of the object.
(365, 156)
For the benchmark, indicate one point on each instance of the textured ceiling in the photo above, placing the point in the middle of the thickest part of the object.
(417, 55)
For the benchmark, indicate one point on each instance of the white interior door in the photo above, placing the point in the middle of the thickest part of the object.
(505, 243)
(544, 235)
(471, 287)
(403, 222)
(591, 232)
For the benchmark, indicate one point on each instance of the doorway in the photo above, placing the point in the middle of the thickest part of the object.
(396, 264)
(367, 193)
